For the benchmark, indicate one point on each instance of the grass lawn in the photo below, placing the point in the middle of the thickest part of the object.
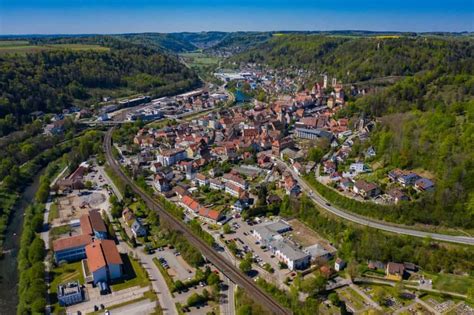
(57, 231)
(134, 275)
(452, 283)
(114, 177)
(63, 274)
(218, 199)
(53, 212)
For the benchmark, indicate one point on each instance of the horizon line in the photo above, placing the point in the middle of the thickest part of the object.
(238, 31)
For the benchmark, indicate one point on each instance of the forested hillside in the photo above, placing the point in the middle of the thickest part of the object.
(238, 42)
(52, 80)
(353, 59)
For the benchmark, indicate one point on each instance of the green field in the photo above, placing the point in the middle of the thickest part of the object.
(198, 58)
(452, 283)
(134, 275)
(4, 43)
(203, 64)
(24, 47)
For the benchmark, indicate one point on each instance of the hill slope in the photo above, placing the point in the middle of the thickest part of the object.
(55, 79)
(352, 59)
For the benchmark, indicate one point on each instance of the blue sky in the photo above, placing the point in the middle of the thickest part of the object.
(128, 16)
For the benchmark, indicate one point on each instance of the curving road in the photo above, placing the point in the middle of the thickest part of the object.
(224, 266)
(323, 203)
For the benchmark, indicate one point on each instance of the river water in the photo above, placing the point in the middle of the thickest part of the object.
(8, 264)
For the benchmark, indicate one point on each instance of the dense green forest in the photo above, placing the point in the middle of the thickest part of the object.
(353, 59)
(239, 41)
(52, 80)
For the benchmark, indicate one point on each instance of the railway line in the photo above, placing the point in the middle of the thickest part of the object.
(224, 266)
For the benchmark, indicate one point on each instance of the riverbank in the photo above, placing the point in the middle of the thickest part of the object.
(8, 263)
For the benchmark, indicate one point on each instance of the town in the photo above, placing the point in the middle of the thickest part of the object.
(228, 169)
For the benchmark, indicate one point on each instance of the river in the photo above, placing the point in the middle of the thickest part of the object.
(8, 264)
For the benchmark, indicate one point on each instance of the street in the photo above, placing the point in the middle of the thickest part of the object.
(323, 203)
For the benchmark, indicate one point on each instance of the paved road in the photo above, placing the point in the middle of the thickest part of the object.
(323, 203)
(224, 266)
(140, 308)
(158, 282)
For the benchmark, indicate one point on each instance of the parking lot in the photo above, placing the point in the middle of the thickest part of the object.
(179, 269)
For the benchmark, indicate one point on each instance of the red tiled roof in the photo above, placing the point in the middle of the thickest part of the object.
(86, 226)
(102, 253)
(208, 213)
(71, 242)
(191, 203)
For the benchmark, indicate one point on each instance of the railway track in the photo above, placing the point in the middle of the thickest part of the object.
(224, 266)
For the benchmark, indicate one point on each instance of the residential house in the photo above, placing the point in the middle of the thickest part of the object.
(359, 167)
(180, 192)
(424, 184)
(346, 184)
(336, 176)
(216, 184)
(233, 189)
(161, 183)
(370, 152)
(291, 186)
(394, 271)
(155, 167)
(235, 180)
(201, 179)
(190, 204)
(397, 195)
(329, 167)
(171, 157)
(408, 179)
(297, 167)
(138, 229)
(211, 216)
(365, 189)
(241, 204)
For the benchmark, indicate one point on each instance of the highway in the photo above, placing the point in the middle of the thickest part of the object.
(224, 266)
(324, 204)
